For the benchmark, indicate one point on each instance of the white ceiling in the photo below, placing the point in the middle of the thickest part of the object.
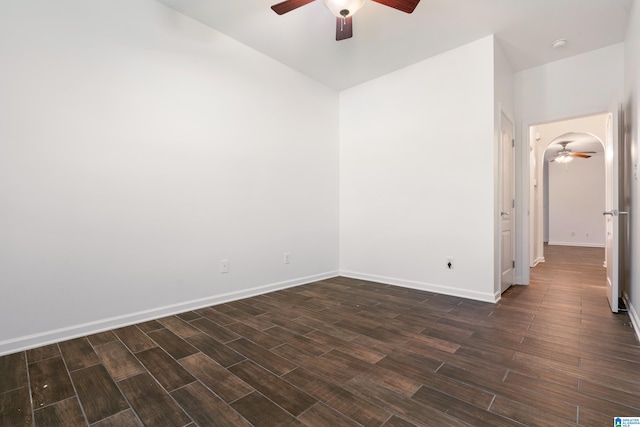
(386, 40)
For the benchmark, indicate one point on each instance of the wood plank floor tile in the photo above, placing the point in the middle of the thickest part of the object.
(412, 365)
(98, 394)
(216, 350)
(256, 322)
(215, 331)
(392, 380)
(165, 369)
(178, 326)
(526, 414)
(296, 340)
(621, 370)
(78, 353)
(151, 325)
(361, 352)
(242, 306)
(215, 316)
(396, 421)
(616, 395)
(206, 408)
(564, 394)
(118, 360)
(589, 418)
(320, 415)
(41, 353)
(291, 398)
(328, 327)
(410, 409)
(172, 344)
(460, 409)
(260, 411)
(343, 401)
(123, 419)
(268, 360)
(189, 316)
(535, 399)
(322, 367)
(134, 338)
(14, 371)
(254, 335)
(151, 403)
(50, 382)
(288, 324)
(218, 379)
(344, 361)
(66, 413)
(541, 364)
(102, 338)
(15, 407)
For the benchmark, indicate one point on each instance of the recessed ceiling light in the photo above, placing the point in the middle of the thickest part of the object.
(559, 43)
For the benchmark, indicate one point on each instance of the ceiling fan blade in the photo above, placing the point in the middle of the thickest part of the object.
(289, 5)
(407, 6)
(587, 152)
(584, 156)
(344, 28)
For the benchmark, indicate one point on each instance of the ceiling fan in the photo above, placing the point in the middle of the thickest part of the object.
(565, 155)
(344, 10)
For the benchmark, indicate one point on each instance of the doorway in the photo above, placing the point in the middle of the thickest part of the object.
(569, 153)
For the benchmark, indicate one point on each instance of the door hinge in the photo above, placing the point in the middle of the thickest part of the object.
(513, 264)
(513, 203)
(513, 143)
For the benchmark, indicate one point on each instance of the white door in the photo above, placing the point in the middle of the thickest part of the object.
(507, 235)
(612, 214)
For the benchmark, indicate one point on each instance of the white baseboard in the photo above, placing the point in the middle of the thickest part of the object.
(15, 345)
(538, 261)
(633, 315)
(429, 287)
(579, 244)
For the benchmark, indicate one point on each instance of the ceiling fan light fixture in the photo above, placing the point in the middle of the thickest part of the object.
(565, 158)
(343, 8)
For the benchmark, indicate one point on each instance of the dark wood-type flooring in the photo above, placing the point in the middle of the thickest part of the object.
(344, 352)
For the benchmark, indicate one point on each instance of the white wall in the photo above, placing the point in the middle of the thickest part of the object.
(632, 136)
(503, 80)
(576, 202)
(417, 175)
(137, 149)
(578, 86)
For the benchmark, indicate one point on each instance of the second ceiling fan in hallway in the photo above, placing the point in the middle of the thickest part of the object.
(565, 155)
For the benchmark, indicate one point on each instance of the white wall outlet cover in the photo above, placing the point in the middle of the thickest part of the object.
(224, 266)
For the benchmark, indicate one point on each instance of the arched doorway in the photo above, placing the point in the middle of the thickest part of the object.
(578, 219)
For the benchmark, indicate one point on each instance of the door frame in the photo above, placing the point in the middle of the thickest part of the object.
(523, 189)
(514, 230)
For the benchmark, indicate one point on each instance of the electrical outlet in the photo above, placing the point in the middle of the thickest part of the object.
(450, 262)
(573, 234)
(224, 266)
(287, 258)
